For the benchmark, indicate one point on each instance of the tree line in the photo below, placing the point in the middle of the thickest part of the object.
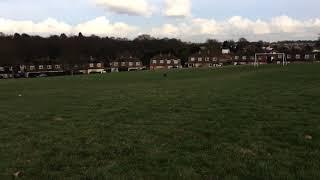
(24, 48)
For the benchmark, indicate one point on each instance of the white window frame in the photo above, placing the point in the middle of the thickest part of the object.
(176, 61)
(154, 61)
(207, 59)
(41, 67)
(32, 68)
(57, 66)
(22, 67)
(161, 61)
(99, 65)
(49, 66)
(298, 56)
(138, 63)
(236, 57)
(307, 56)
(130, 63)
(168, 61)
(289, 56)
(199, 59)
(123, 63)
(192, 59)
(91, 65)
(244, 57)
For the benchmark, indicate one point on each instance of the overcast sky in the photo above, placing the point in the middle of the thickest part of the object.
(190, 20)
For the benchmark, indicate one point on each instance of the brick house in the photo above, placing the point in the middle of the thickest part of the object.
(6, 72)
(242, 59)
(165, 61)
(93, 66)
(301, 57)
(126, 63)
(41, 66)
(209, 59)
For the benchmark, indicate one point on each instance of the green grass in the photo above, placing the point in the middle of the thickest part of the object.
(231, 123)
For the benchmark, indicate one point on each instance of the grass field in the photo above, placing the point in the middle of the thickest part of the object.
(231, 123)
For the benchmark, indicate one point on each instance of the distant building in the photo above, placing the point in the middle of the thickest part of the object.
(165, 61)
(226, 51)
(93, 66)
(126, 64)
(242, 59)
(5, 72)
(301, 57)
(35, 69)
(208, 59)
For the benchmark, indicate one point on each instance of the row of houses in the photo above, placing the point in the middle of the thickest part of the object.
(54, 68)
(203, 58)
(209, 59)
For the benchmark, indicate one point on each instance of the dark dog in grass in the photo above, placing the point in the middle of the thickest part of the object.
(165, 75)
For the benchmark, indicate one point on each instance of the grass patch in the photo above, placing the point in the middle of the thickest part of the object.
(230, 123)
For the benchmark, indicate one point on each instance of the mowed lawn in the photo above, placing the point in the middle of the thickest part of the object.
(230, 123)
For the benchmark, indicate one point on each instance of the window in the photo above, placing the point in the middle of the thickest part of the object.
(207, 59)
(244, 57)
(49, 67)
(280, 56)
(57, 66)
(40, 67)
(130, 63)
(115, 63)
(123, 63)
(168, 61)
(288, 56)
(298, 56)
(200, 59)
(252, 58)
(236, 57)
(1, 68)
(161, 61)
(99, 65)
(192, 59)
(32, 68)
(307, 56)
(91, 65)
(215, 59)
(22, 67)
(138, 63)
(154, 61)
(176, 62)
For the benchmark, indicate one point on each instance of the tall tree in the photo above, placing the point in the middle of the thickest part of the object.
(213, 44)
(318, 42)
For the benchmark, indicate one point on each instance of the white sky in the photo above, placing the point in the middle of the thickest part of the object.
(190, 20)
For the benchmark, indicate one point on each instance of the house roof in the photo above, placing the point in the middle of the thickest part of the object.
(208, 53)
(126, 59)
(164, 56)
